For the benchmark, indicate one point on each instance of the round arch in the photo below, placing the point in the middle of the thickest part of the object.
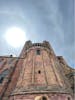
(43, 97)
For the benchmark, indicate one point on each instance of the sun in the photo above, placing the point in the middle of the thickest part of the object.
(15, 37)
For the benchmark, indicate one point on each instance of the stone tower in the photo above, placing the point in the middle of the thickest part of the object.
(38, 75)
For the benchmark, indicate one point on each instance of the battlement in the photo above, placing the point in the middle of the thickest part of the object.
(29, 44)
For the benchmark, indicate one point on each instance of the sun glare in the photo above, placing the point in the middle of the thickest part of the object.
(15, 37)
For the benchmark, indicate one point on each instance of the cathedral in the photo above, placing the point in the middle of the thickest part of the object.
(37, 74)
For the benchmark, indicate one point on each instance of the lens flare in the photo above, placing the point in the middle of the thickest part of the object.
(15, 37)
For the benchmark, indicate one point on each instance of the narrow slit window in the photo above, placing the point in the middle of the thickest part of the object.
(39, 72)
(38, 52)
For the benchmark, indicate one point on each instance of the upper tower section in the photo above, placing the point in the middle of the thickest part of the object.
(29, 45)
(40, 70)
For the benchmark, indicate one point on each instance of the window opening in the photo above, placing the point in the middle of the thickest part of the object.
(38, 52)
(68, 98)
(39, 72)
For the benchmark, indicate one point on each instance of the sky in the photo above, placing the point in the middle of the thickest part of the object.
(51, 20)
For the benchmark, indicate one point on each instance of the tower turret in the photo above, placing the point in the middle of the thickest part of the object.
(41, 74)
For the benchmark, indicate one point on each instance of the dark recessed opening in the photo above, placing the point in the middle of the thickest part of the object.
(44, 98)
(1, 79)
(38, 52)
(72, 87)
(39, 72)
(68, 98)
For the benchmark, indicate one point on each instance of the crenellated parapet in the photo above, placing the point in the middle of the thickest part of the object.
(29, 44)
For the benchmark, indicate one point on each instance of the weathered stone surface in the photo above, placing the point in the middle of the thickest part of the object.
(33, 75)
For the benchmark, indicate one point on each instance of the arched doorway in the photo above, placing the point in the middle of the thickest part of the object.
(44, 98)
(41, 98)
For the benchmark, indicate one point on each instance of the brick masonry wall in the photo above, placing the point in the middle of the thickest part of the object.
(32, 64)
(7, 65)
(13, 80)
(39, 96)
(35, 71)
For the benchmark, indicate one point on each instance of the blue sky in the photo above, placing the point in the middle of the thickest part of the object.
(51, 20)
